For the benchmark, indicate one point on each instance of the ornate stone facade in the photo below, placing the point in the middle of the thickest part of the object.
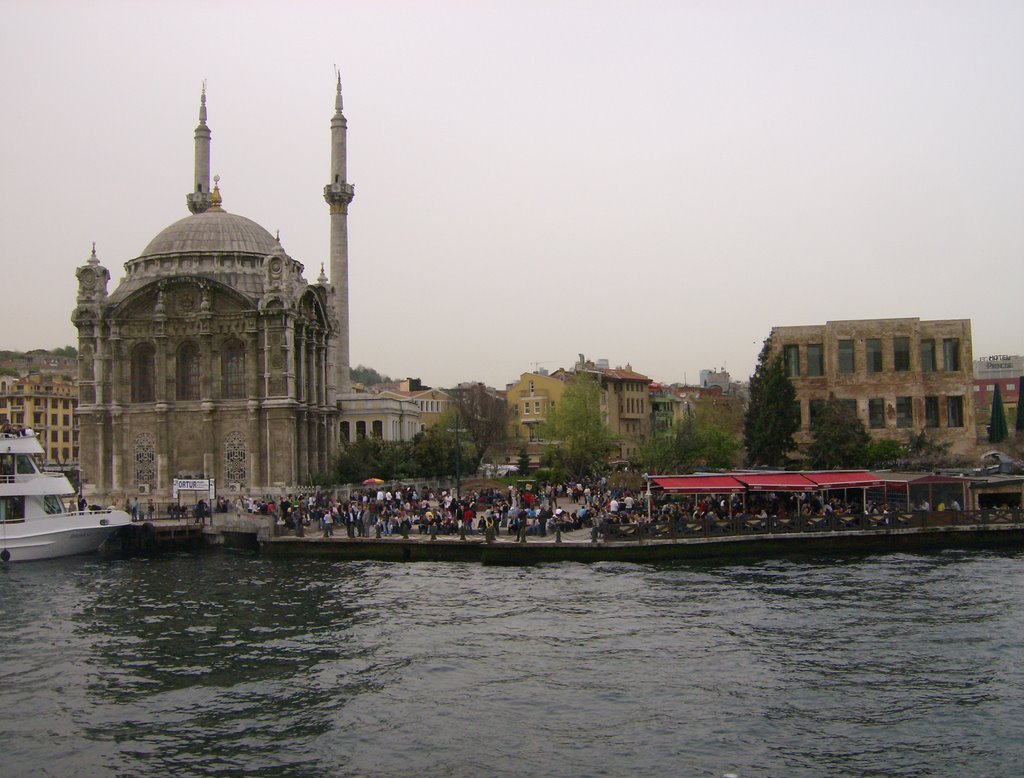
(213, 356)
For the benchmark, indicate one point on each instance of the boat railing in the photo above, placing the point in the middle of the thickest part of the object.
(25, 433)
(21, 478)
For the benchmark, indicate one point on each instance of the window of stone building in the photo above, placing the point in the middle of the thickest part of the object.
(791, 359)
(65, 437)
(360, 429)
(901, 354)
(846, 360)
(876, 413)
(53, 419)
(904, 412)
(188, 372)
(232, 371)
(955, 411)
(873, 354)
(235, 458)
(67, 419)
(143, 373)
(951, 354)
(145, 458)
(378, 428)
(53, 436)
(815, 360)
(928, 356)
(850, 406)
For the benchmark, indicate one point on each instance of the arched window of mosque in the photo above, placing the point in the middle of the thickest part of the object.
(232, 371)
(188, 372)
(143, 373)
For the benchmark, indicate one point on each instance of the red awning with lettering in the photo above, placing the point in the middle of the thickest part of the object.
(844, 480)
(697, 484)
(776, 482)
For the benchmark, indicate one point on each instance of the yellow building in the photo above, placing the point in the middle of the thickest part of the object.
(47, 405)
(625, 402)
(530, 400)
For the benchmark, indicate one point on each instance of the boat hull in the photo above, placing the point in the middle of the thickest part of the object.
(60, 535)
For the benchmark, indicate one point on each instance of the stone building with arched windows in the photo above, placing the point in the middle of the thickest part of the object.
(213, 357)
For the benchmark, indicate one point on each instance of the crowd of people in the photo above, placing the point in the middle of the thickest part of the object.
(537, 510)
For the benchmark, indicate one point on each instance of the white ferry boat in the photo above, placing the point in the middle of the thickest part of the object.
(35, 520)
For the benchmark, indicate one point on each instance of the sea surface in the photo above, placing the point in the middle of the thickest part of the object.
(226, 665)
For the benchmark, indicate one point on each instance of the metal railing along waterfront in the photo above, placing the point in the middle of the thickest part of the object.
(710, 526)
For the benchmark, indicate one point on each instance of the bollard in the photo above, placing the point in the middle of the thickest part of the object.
(593, 534)
(558, 533)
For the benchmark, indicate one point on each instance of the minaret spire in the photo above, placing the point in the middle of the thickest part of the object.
(338, 194)
(199, 198)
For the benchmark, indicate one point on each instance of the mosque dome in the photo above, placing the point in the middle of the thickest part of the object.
(213, 231)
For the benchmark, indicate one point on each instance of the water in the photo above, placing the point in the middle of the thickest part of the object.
(235, 665)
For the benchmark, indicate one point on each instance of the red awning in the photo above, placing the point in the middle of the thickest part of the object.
(776, 482)
(844, 480)
(697, 484)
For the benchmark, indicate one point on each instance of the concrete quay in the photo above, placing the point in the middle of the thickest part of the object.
(577, 546)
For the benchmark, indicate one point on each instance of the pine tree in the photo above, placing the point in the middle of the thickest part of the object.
(839, 438)
(773, 415)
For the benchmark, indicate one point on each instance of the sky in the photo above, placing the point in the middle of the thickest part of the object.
(653, 183)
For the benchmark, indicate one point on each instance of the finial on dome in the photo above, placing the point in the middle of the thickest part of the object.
(322, 280)
(93, 259)
(215, 198)
(277, 236)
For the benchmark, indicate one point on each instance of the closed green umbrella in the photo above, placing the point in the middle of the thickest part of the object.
(997, 431)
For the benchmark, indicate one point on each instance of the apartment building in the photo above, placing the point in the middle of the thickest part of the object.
(898, 375)
(47, 404)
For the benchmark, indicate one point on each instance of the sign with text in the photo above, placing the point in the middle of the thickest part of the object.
(192, 485)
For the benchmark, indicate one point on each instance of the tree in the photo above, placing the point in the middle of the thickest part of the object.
(1019, 424)
(885, 453)
(694, 443)
(483, 418)
(773, 415)
(997, 430)
(583, 439)
(839, 437)
(524, 461)
(367, 376)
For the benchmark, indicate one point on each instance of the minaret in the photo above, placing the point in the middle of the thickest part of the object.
(199, 198)
(339, 194)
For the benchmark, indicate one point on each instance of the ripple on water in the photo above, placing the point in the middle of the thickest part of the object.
(216, 665)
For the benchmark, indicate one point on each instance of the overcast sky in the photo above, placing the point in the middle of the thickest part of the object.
(657, 183)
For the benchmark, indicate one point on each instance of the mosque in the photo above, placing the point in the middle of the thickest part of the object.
(215, 358)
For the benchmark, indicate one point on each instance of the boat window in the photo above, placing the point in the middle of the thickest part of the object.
(6, 464)
(26, 465)
(12, 508)
(52, 504)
